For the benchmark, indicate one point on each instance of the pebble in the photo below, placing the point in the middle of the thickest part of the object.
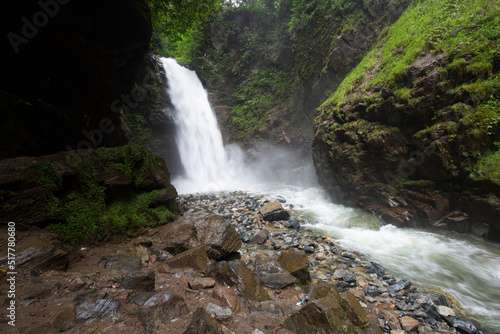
(405, 309)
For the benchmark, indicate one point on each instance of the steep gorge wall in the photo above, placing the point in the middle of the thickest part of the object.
(412, 134)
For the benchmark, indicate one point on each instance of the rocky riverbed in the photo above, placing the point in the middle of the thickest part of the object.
(233, 263)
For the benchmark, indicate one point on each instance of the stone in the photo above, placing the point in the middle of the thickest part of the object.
(202, 322)
(220, 237)
(156, 308)
(401, 285)
(293, 224)
(123, 262)
(228, 296)
(218, 312)
(65, 320)
(195, 258)
(201, 229)
(446, 311)
(408, 323)
(276, 280)
(198, 283)
(39, 252)
(237, 273)
(139, 281)
(95, 305)
(296, 263)
(274, 211)
(465, 327)
(392, 320)
(260, 237)
(353, 309)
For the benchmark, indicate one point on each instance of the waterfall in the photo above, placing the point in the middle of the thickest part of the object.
(198, 138)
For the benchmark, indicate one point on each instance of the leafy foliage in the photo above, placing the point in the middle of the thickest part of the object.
(174, 17)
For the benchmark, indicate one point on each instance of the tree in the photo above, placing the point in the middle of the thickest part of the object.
(174, 17)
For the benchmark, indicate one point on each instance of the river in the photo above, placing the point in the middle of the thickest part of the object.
(466, 267)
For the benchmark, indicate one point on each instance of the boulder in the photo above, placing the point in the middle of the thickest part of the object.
(220, 237)
(218, 312)
(228, 296)
(202, 322)
(296, 263)
(195, 258)
(260, 237)
(40, 251)
(237, 273)
(198, 283)
(156, 308)
(409, 324)
(95, 306)
(354, 311)
(274, 211)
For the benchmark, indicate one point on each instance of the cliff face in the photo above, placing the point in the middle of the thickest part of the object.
(412, 133)
(67, 66)
(269, 68)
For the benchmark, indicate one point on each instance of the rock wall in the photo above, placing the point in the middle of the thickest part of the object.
(413, 148)
(66, 66)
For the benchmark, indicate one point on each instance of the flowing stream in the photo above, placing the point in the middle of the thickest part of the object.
(467, 268)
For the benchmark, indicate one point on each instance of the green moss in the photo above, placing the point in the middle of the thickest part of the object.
(488, 168)
(45, 173)
(87, 214)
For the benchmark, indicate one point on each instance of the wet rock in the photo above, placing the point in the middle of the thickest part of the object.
(260, 237)
(463, 326)
(401, 285)
(409, 324)
(353, 309)
(274, 211)
(65, 320)
(39, 252)
(195, 258)
(311, 319)
(228, 296)
(212, 231)
(293, 224)
(296, 263)
(202, 322)
(219, 236)
(445, 311)
(139, 281)
(198, 283)
(392, 320)
(121, 262)
(218, 312)
(237, 273)
(95, 305)
(156, 308)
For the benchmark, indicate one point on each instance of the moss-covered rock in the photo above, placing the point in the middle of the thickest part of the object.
(411, 133)
(86, 195)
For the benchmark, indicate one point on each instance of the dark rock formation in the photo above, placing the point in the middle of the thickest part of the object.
(62, 188)
(65, 66)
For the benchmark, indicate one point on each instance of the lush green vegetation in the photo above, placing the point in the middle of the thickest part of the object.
(463, 40)
(87, 212)
(465, 31)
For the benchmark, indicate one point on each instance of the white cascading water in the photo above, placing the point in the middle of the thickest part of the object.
(198, 137)
(467, 268)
